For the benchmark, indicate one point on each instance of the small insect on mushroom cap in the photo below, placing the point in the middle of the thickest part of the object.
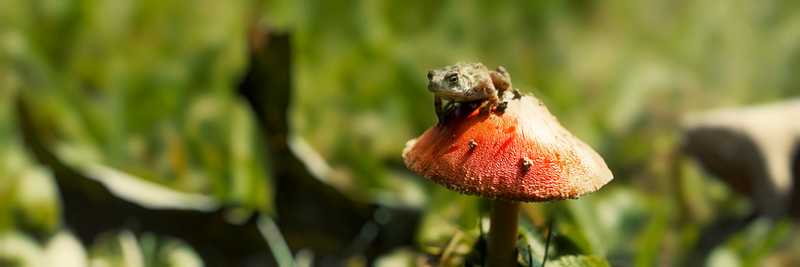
(523, 154)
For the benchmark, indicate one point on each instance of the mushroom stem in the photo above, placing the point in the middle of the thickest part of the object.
(502, 250)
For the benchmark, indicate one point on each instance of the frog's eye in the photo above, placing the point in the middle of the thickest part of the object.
(454, 78)
(430, 75)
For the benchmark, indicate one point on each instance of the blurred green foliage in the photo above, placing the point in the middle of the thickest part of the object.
(149, 88)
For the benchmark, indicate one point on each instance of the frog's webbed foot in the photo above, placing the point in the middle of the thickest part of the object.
(493, 101)
(486, 108)
(502, 106)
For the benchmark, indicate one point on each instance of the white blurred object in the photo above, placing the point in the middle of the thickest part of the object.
(319, 168)
(16, 247)
(398, 257)
(313, 161)
(39, 197)
(304, 257)
(723, 257)
(181, 254)
(277, 244)
(131, 251)
(65, 250)
(145, 193)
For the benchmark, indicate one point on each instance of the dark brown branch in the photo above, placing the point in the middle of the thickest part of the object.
(311, 213)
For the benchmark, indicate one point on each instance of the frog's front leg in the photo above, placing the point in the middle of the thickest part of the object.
(501, 80)
(437, 104)
(491, 93)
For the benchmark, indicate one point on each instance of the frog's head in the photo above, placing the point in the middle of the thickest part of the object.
(457, 80)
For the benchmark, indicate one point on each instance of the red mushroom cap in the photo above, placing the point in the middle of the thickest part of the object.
(519, 154)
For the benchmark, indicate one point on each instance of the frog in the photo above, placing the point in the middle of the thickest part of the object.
(467, 82)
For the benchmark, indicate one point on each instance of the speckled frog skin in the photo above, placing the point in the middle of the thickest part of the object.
(467, 82)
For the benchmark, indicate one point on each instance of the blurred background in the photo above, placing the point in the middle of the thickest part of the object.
(269, 133)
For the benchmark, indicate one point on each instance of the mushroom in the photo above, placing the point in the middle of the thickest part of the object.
(519, 154)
